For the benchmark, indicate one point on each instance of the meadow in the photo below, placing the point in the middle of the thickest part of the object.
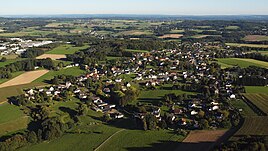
(66, 49)
(243, 62)
(232, 27)
(247, 45)
(137, 51)
(256, 89)
(75, 71)
(246, 110)
(256, 38)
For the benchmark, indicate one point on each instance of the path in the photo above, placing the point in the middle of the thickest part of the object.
(108, 139)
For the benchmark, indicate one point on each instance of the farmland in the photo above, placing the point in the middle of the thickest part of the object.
(243, 62)
(246, 110)
(256, 38)
(247, 45)
(256, 89)
(175, 36)
(137, 51)
(259, 100)
(232, 27)
(66, 49)
(201, 140)
(256, 125)
(24, 78)
(52, 56)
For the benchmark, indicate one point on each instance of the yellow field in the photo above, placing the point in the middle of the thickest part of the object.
(171, 36)
(52, 56)
(24, 78)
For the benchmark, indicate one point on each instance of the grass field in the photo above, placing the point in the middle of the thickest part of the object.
(75, 71)
(247, 45)
(2, 64)
(243, 62)
(256, 125)
(143, 140)
(256, 89)
(259, 99)
(137, 51)
(154, 96)
(204, 36)
(178, 31)
(66, 49)
(256, 38)
(16, 90)
(135, 32)
(246, 110)
(15, 74)
(52, 56)
(232, 27)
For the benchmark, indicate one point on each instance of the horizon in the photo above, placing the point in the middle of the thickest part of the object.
(138, 7)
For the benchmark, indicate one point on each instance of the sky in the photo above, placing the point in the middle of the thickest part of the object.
(164, 7)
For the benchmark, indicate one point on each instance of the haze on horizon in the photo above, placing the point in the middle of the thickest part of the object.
(165, 7)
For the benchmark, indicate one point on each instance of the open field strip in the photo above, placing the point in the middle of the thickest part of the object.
(243, 62)
(171, 36)
(24, 78)
(258, 100)
(256, 38)
(52, 56)
(203, 140)
(247, 45)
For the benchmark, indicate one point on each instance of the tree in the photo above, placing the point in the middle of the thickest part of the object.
(151, 121)
(204, 124)
(201, 114)
(32, 137)
(106, 117)
(82, 109)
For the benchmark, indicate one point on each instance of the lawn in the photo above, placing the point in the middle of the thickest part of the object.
(243, 62)
(247, 45)
(66, 49)
(256, 89)
(75, 71)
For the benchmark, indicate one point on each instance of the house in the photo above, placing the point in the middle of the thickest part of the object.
(232, 96)
(194, 112)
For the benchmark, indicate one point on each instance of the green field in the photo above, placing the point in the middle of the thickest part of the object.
(178, 31)
(247, 45)
(243, 62)
(232, 27)
(137, 51)
(15, 74)
(256, 89)
(154, 96)
(259, 99)
(143, 140)
(11, 119)
(240, 104)
(16, 90)
(75, 71)
(256, 38)
(66, 49)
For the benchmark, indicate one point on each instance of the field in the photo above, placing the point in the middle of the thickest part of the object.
(11, 119)
(232, 27)
(256, 38)
(15, 90)
(256, 89)
(243, 62)
(203, 36)
(52, 56)
(259, 100)
(24, 78)
(66, 49)
(95, 134)
(246, 110)
(14, 74)
(2, 64)
(247, 45)
(135, 32)
(256, 125)
(178, 31)
(154, 96)
(201, 140)
(174, 36)
(137, 51)
(75, 71)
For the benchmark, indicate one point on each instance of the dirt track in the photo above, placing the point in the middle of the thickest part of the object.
(52, 56)
(24, 78)
(201, 140)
